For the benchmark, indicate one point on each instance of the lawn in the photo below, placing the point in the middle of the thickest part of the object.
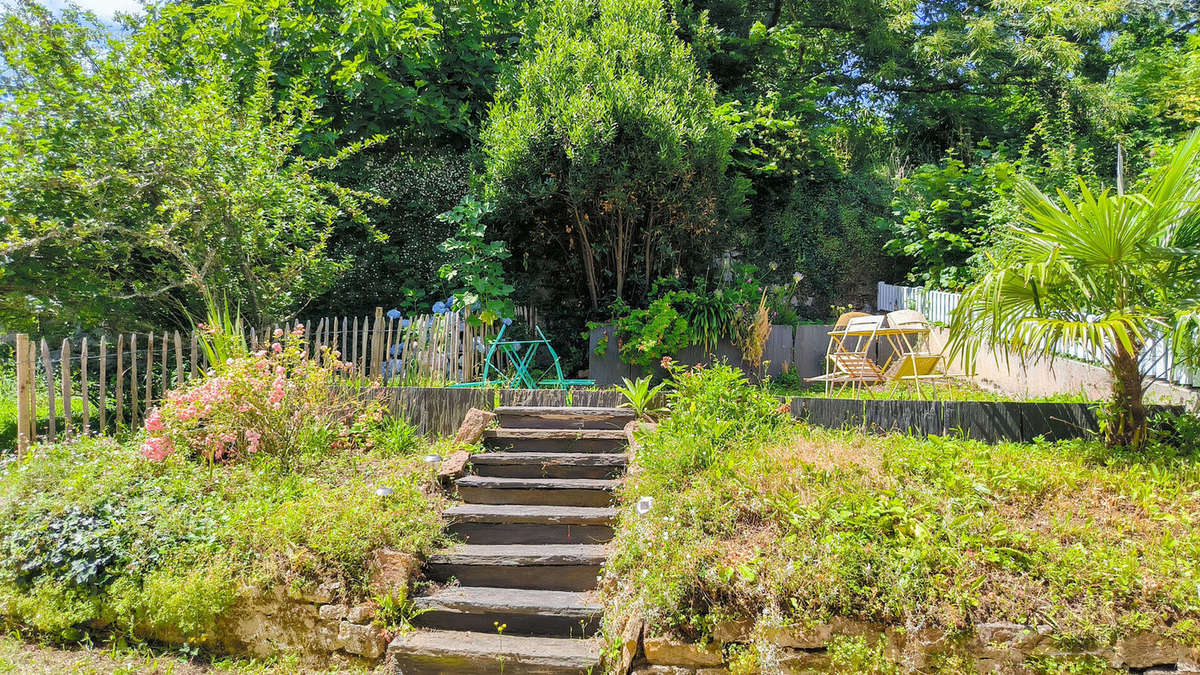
(20, 656)
(758, 518)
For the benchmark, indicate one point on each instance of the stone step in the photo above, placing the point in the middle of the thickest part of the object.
(549, 567)
(549, 464)
(434, 652)
(527, 417)
(526, 524)
(540, 491)
(521, 611)
(555, 440)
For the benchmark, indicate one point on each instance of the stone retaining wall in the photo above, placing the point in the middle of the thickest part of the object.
(996, 648)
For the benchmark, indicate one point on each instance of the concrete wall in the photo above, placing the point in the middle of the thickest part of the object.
(800, 349)
(1062, 376)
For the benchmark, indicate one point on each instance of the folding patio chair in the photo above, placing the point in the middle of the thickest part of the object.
(914, 360)
(850, 360)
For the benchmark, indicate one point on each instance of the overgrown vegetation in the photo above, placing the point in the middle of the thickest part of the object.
(270, 470)
(757, 518)
(96, 535)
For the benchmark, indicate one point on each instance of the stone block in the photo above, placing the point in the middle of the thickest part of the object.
(332, 612)
(318, 595)
(664, 651)
(733, 631)
(1145, 649)
(473, 425)
(454, 466)
(361, 614)
(799, 662)
(364, 641)
(631, 642)
(391, 571)
(816, 636)
(661, 670)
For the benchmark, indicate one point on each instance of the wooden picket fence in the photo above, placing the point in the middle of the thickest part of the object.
(118, 381)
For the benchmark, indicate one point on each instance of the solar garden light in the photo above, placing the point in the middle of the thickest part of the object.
(383, 492)
(432, 459)
(644, 505)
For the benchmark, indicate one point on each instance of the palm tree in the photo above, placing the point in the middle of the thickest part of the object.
(1108, 271)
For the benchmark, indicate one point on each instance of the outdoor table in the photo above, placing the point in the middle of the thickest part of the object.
(902, 341)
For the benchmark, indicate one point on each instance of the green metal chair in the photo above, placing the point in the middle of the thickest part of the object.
(520, 373)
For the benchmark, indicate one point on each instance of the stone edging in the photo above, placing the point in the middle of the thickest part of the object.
(996, 647)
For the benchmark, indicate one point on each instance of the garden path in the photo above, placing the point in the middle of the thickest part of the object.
(537, 511)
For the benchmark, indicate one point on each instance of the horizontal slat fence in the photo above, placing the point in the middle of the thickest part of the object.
(100, 384)
(1157, 361)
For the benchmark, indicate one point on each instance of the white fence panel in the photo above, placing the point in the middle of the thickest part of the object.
(1157, 360)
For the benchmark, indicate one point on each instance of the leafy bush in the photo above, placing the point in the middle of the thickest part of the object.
(946, 213)
(474, 269)
(738, 310)
(710, 411)
(262, 402)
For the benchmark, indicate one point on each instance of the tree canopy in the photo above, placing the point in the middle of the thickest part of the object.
(610, 140)
(638, 145)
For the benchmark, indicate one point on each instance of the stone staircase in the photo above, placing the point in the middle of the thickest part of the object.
(537, 512)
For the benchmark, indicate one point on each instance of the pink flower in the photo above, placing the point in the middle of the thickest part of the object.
(277, 334)
(154, 421)
(276, 347)
(157, 449)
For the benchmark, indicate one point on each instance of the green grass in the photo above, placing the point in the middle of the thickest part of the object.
(948, 391)
(788, 524)
(92, 532)
(118, 657)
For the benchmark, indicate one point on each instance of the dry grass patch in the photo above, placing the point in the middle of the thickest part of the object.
(807, 524)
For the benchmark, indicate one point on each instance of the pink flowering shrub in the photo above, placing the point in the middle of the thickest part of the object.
(260, 402)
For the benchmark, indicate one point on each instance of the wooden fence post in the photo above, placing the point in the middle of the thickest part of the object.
(31, 377)
(83, 385)
(103, 381)
(178, 361)
(166, 378)
(377, 344)
(149, 373)
(48, 366)
(362, 352)
(133, 381)
(26, 424)
(120, 381)
(65, 370)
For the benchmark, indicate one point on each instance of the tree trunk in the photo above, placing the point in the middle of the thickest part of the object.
(1127, 427)
(589, 260)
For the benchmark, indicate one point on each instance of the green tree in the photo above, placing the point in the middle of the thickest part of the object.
(128, 195)
(610, 141)
(474, 269)
(1105, 271)
(414, 69)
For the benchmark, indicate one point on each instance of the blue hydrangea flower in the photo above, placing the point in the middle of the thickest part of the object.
(440, 307)
(506, 322)
(405, 323)
(394, 314)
